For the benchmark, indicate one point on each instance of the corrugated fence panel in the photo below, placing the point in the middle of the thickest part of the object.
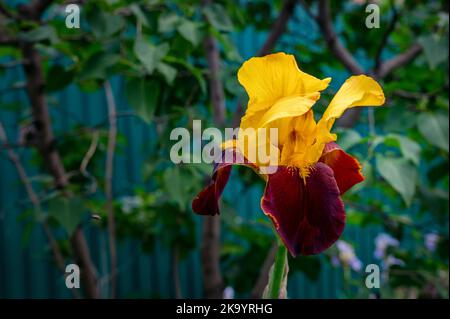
(27, 270)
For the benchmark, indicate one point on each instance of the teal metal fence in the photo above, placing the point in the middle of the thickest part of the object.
(26, 270)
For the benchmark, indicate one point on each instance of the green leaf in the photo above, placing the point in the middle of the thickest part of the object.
(68, 212)
(97, 65)
(229, 48)
(434, 127)
(348, 138)
(139, 14)
(174, 185)
(167, 71)
(168, 22)
(400, 174)
(197, 73)
(45, 32)
(190, 31)
(148, 54)
(309, 265)
(142, 94)
(435, 48)
(58, 78)
(102, 23)
(409, 148)
(218, 17)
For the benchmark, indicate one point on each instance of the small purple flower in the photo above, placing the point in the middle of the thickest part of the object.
(382, 242)
(347, 256)
(431, 241)
(335, 261)
(393, 261)
(228, 293)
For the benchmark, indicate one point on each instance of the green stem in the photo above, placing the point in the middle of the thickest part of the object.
(279, 267)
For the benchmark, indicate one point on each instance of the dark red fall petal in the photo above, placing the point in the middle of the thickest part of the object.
(207, 201)
(308, 215)
(346, 168)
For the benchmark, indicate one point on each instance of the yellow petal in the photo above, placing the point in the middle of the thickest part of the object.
(274, 76)
(257, 147)
(288, 107)
(228, 144)
(359, 90)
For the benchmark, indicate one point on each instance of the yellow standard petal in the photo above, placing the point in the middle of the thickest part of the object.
(275, 76)
(360, 90)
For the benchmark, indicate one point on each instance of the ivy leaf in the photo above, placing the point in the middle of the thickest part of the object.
(400, 174)
(434, 127)
(69, 212)
(142, 94)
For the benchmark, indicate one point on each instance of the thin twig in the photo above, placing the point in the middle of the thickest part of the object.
(14, 158)
(210, 250)
(87, 157)
(385, 38)
(109, 169)
(325, 23)
(278, 26)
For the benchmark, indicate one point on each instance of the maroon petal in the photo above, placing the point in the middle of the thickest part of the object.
(207, 201)
(346, 168)
(308, 214)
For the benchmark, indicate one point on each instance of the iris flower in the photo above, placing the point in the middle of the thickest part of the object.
(303, 196)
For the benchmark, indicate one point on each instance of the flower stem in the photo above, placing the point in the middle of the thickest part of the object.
(279, 267)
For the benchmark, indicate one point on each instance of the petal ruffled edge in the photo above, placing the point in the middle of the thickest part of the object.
(346, 168)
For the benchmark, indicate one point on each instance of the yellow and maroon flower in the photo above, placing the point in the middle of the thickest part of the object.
(302, 197)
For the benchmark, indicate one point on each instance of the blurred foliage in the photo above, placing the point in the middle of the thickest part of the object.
(156, 47)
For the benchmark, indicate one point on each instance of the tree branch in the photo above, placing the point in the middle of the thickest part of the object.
(215, 84)
(7, 40)
(325, 23)
(277, 30)
(398, 61)
(109, 169)
(210, 249)
(34, 9)
(385, 38)
(47, 149)
(278, 26)
(6, 12)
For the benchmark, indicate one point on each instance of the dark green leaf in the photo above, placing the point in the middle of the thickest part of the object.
(434, 127)
(142, 94)
(68, 212)
(400, 174)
